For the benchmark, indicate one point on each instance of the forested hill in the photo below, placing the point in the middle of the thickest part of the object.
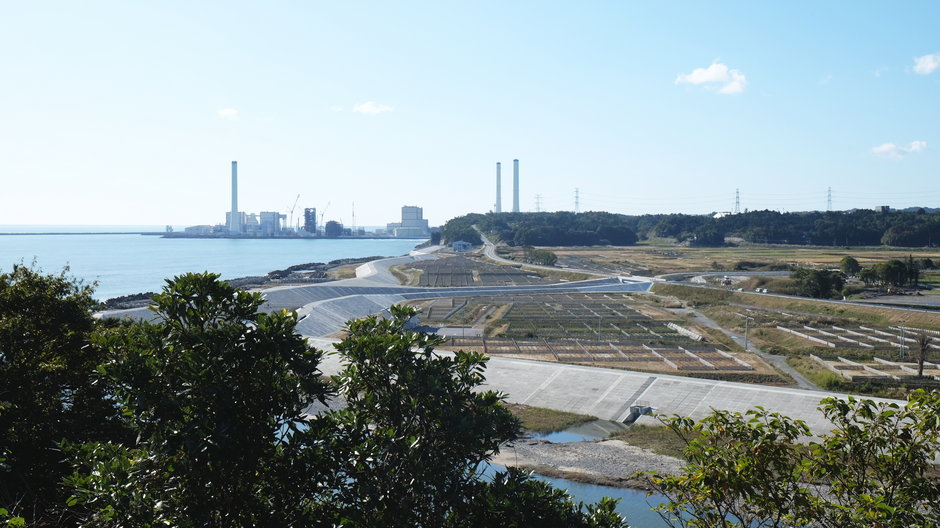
(861, 227)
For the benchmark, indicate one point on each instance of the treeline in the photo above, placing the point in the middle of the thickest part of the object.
(826, 284)
(861, 227)
(894, 272)
(560, 228)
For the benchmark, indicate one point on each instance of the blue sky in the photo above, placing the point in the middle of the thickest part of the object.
(130, 112)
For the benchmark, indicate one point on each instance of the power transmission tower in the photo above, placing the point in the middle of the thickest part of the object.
(829, 199)
(737, 201)
(577, 205)
(538, 203)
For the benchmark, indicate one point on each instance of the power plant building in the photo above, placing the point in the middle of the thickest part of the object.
(271, 223)
(412, 225)
(310, 220)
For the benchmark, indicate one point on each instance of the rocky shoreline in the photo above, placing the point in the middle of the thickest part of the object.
(603, 462)
(308, 273)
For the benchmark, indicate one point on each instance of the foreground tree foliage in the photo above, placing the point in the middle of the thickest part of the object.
(872, 470)
(216, 393)
(212, 390)
(47, 391)
(415, 432)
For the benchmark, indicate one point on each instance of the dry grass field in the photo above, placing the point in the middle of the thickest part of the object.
(659, 256)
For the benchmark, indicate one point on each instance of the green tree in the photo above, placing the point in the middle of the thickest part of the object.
(849, 266)
(893, 272)
(913, 271)
(47, 393)
(216, 392)
(213, 389)
(868, 275)
(872, 470)
(821, 284)
(541, 257)
(514, 500)
(415, 431)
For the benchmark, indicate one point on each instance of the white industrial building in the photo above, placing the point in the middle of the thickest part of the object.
(412, 225)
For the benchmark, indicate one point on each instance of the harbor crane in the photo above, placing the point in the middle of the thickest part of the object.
(323, 213)
(291, 221)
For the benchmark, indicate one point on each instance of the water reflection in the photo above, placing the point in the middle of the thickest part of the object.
(586, 432)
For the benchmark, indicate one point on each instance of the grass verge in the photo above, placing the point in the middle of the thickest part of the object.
(657, 438)
(343, 272)
(406, 276)
(541, 420)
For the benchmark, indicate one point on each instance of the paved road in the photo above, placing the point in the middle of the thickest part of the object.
(489, 250)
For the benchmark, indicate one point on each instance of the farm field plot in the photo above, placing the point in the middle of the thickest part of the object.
(602, 329)
(880, 370)
(888, 341)
(461, 271)
(660, 256)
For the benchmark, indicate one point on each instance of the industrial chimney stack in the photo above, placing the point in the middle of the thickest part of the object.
(234, 222)
(499, 192)
(515, 186)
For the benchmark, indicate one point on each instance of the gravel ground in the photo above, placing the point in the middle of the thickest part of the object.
(606, 462)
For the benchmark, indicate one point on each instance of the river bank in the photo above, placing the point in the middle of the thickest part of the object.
(604, 462)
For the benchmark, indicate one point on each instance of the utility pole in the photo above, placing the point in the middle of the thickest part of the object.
(829, 199)
(737, 201)
(747, 320)
(538, 203)
(577, 205)
(745, 332)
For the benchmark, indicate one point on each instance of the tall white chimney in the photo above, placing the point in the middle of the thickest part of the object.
(515, 186)
(234, 222)
(499, 186)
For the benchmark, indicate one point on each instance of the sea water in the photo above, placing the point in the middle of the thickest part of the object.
(124, 264)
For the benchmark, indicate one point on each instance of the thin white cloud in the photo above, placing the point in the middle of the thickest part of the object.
(336, 108)
(926, 64)
(826, 80)
(371, 108)
(730, 81)
(878, 71)
(228, 113)
(891, 150)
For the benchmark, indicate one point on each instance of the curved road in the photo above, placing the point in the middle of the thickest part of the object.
(489, 250)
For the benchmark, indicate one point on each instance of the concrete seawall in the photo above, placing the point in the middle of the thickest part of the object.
(609, 393)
